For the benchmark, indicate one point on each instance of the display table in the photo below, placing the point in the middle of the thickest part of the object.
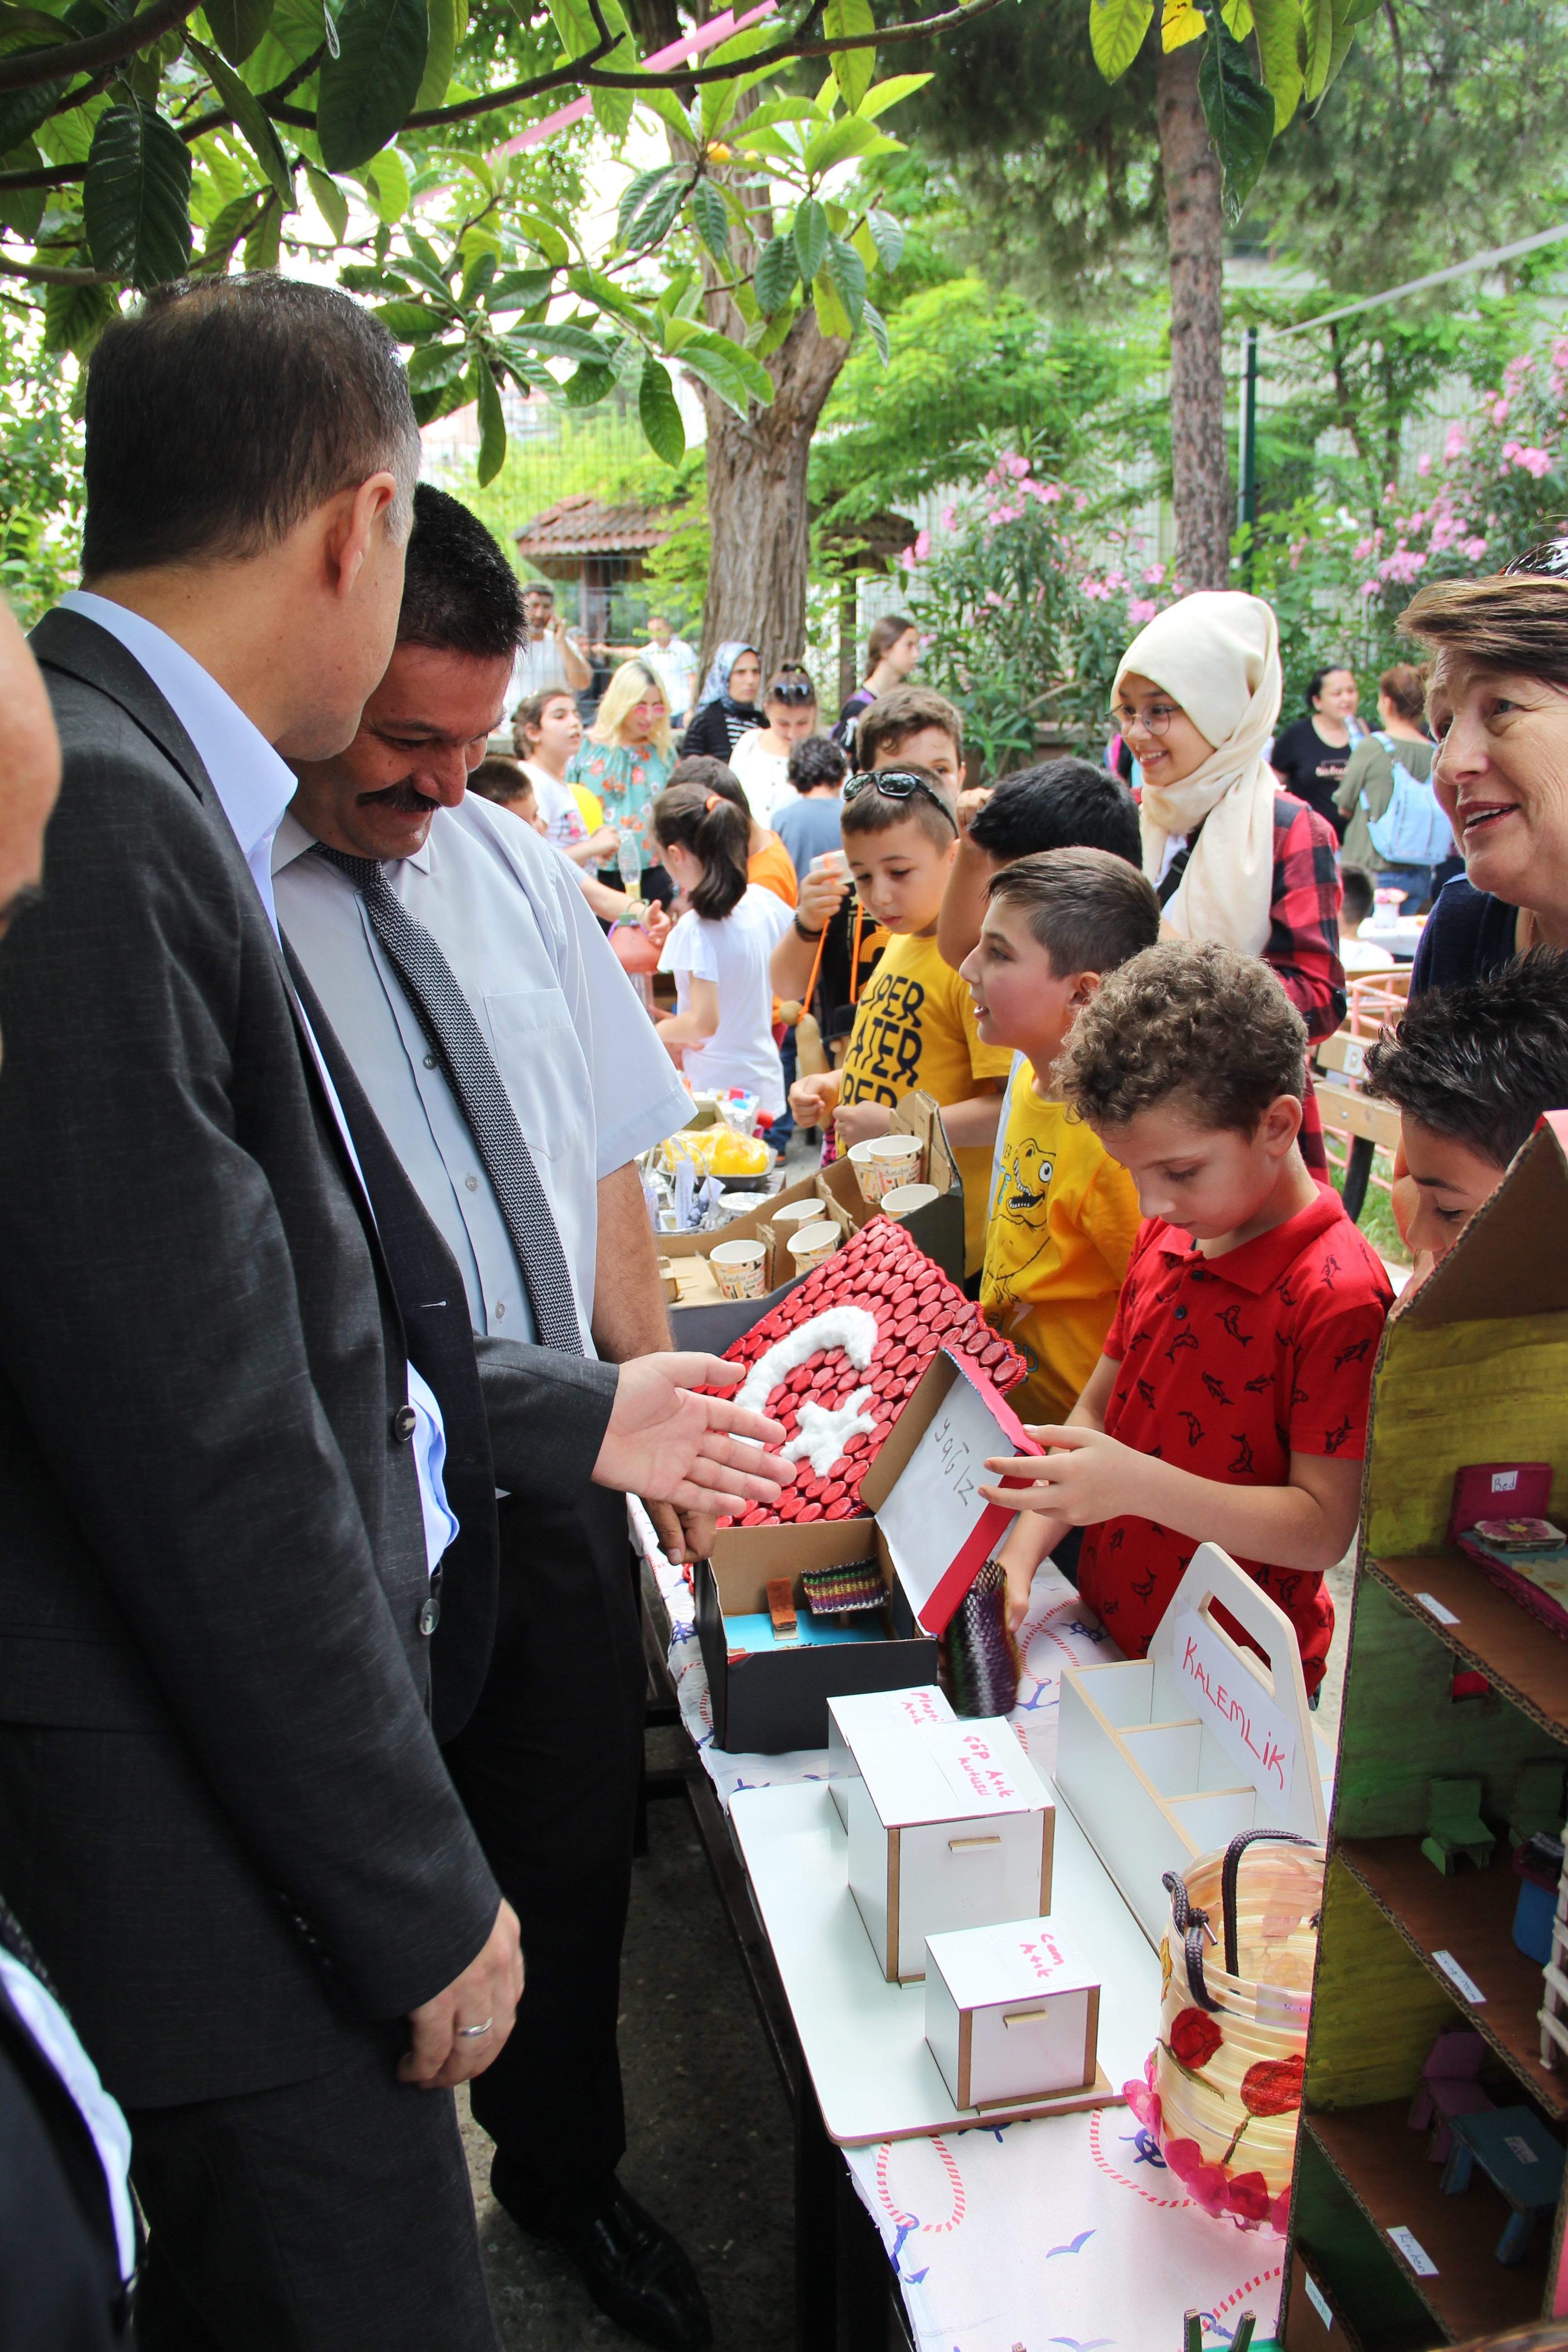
(1065, 2230)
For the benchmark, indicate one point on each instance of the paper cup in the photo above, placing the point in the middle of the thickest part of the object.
(905, 1197)
(897, 1161)
(798, 1212)
(865, 1175)
(811, 1245)
(740, 1268)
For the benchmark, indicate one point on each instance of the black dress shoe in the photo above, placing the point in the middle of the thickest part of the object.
(634, 2270)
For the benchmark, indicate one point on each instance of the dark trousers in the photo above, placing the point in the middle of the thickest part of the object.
(547, 1770)
(328, 2215)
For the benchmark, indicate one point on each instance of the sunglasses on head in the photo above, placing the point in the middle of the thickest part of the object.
(896, 784)
(792, 689)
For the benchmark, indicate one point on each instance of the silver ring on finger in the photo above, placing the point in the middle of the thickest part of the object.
(472, 2033)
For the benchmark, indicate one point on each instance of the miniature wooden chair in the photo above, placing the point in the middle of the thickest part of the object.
(1449, 2088)
(1455, 1829)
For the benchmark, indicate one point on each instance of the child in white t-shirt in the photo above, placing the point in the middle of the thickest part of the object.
(721, 1034)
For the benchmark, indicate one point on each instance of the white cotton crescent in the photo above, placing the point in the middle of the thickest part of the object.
(853, 1329)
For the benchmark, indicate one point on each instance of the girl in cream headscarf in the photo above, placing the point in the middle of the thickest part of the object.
(1234, 860)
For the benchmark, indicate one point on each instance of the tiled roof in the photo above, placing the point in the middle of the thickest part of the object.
(583, 526)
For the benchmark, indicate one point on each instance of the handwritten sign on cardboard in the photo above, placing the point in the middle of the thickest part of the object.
(1254, 1732)
(939, 1528)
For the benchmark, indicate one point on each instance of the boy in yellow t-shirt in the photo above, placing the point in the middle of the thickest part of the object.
(1064, 1214)
(914, 1025)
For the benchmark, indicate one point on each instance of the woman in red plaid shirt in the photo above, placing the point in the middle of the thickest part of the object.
(1234, 859)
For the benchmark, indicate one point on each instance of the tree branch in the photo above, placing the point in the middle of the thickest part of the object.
(45, 273)
(795, 46)
(218, 118)
(26, 68)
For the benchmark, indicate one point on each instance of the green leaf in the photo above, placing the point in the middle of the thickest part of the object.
(810, 234)
(237, 26)
(878, 325)
(529, 371)
(23, 111)
(385, 182)
(75, 316)
(651, 225)
(1116, 30)
(519, 289)
(235, 221)
(493, 423)
(436, 363)
(853, 69)
(883, 94)
(1317, 17)
(636, 194)
(1238, 16)
(262, 246)
(588, 386)
(661, 415)
(559, 343)
(331, 202)
(22, 209)
(772, 110)
(850, 135)
(368, 89)
(613, 108)
(1346, 18)
(712, 218)
(668, 109)
(254, 127)
(847, 272)
(887, 236)
(408, 322)
(438, 56)
(830, 312)
(293, 33)
(778, 270)
(1238, 111)
(478, 271)
(1281, 45)
(136, 197)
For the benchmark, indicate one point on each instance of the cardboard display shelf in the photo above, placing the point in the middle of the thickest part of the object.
(864, 2038)
(1469, 1917)
(1382, 2164)
(1484, 1628)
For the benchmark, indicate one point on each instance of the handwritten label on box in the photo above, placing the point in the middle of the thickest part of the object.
(1457, 1977)
(1318, 2301)
(970, 1764)
(1444, 1616)
(1414, 2252)
(1253, 1731)
(939, 1528)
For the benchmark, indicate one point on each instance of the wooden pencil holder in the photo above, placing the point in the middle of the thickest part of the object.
(1222, 2089)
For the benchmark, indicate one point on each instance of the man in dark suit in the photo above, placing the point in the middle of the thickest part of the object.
(224, 1816)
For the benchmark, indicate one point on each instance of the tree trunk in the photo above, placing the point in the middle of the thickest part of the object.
(758, 533)
(1200, 472)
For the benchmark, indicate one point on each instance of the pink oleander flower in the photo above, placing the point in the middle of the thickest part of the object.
(1005, 513)
(1453, 445)
(1016, 466)
(1536, 462)
(1367, 588)
(922, 546)
(949, 517)
(1360, 551)
(1154, 574)
(1050, 493)
(907, 558)
(1474, 549)
(992, 598)
(1080, 499)
(992, 478)
(1499, 411)
(1560, 351)
(1116, 579)
(1141, 609)
(1424, 464)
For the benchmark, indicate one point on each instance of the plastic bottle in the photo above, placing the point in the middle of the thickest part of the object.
(628, 858)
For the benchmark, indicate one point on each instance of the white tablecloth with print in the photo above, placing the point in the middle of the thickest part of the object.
(1067, 2231)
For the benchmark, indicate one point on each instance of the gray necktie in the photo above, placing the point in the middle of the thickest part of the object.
(446, 1018)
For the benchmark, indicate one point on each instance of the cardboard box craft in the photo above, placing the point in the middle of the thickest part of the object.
(1011, 2014)
(929, 1529)
(950, 1825)
(1164, 1758)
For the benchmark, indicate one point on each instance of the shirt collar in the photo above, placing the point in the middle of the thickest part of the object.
(1258, 1265)
(292, 840)
(253, 785)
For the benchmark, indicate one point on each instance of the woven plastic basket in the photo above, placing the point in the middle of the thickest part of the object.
(1222, 2089)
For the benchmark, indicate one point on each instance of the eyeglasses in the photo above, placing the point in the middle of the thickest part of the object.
(896, 785)
(792, 689)
(1154, 718)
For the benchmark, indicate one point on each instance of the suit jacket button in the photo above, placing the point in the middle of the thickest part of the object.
(430, 1616)
(405, 1421)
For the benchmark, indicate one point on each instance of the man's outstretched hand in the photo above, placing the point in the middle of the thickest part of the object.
(699, 1452)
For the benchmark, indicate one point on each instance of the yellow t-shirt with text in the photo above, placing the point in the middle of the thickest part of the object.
(914, 1029)
(1064, 1217)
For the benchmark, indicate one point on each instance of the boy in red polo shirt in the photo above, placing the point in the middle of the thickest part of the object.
(1230, 1403)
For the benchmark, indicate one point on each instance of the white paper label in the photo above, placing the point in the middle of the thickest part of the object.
(1245, 1720)
(1521, 2150)
(969, 1765)
(1414, 2252)
(1444, 1616)
(1355, 1059)
(936, 1505)
(1504, 1482)
(1456, 1976)
(1318, 2302)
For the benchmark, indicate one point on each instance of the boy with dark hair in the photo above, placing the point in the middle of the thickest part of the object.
(1060, 805)
(914, 1025)
(808, 827)
(1230, 1402)
(1471, 1070)
(1064, 1214)
(910, 726)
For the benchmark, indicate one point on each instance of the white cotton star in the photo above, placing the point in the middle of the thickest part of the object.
(824, 1431)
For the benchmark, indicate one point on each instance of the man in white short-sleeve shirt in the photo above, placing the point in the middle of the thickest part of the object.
(549, 1765)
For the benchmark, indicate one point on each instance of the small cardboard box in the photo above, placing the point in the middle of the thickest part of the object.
(950, 1824)
(930, 1532)
(1011, 2014)
(1164, 1758)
